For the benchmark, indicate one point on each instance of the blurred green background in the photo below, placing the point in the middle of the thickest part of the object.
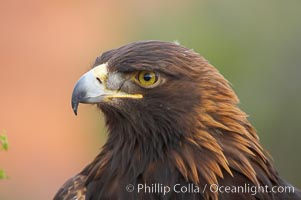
(46, 45)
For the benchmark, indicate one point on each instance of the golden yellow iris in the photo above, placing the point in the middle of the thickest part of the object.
(146, 78)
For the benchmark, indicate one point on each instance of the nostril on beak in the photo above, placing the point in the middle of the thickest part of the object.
(98, 79)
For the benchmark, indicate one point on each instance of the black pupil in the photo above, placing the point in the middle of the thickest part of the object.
(147, 77)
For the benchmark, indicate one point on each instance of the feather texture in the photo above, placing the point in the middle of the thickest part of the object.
(188, 130)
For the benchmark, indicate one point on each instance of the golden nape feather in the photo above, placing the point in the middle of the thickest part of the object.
(175, 131)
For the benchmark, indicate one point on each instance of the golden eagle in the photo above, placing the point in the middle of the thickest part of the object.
(175, 131)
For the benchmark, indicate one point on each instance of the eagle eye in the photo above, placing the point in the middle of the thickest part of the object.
(147, 79)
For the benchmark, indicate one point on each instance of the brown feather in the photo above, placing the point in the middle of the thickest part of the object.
(189, 130)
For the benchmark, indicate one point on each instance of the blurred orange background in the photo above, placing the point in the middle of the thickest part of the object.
(45, 46)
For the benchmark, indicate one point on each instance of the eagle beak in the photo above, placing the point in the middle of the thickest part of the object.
(89, 88)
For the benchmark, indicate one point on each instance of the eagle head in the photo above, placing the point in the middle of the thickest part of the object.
(151, 84)
(171, 117)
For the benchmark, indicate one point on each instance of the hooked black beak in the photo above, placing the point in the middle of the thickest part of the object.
(89, 88)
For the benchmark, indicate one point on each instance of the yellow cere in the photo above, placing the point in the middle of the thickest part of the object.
(101, 72)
